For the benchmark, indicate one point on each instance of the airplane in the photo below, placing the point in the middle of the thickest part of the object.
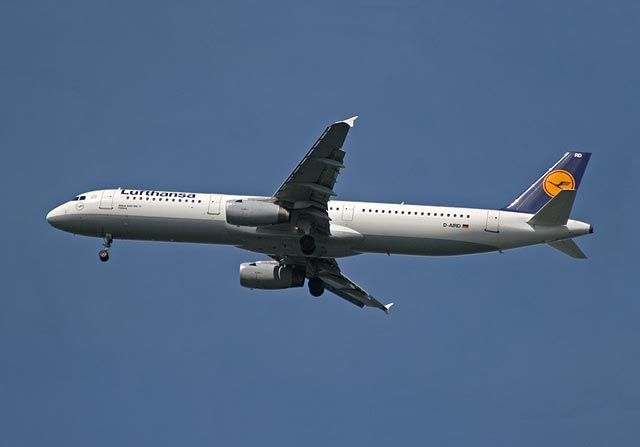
(303, 230)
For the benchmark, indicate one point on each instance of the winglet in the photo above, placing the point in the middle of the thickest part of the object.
(387, 308)
(351, 121)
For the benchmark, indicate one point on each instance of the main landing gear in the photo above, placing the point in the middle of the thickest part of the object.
(103, 254)
(307, 245)
(316, 286)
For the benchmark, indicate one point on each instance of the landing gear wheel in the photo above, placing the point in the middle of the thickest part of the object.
(316, 286)
(307, 245)
(103, 255)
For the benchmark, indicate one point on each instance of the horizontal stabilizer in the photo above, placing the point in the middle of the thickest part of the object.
(556, 211)
(569, 248)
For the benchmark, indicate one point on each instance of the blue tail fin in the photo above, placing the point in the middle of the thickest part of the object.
(565, 174)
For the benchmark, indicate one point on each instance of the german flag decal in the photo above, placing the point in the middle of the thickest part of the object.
(465, 226)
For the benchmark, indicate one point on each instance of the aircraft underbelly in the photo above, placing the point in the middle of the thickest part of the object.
(421, 246)
(173, 229)
(291, 247)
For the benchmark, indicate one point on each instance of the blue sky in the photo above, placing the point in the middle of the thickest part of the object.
(461, 103)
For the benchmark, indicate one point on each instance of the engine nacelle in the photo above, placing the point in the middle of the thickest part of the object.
(269, 275)
(253, 213)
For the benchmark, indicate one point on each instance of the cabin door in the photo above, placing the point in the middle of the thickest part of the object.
(106, 201)
(493, 221)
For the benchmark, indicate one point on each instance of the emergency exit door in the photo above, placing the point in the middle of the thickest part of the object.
(347, 211)
(214, 204)
(493, 221)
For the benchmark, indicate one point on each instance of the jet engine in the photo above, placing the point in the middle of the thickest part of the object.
(270, 275)
(253, 213)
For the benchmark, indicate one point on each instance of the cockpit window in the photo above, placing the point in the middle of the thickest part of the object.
(75, 198)
(83, 197)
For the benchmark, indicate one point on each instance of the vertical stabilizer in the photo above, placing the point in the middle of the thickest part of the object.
(565, 174)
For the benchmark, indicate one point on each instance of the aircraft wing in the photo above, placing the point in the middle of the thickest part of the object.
(335, 281)
(309, 187)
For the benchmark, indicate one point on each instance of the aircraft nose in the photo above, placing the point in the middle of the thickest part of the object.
(53, 217)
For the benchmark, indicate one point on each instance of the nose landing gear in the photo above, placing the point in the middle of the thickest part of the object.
(103, 254)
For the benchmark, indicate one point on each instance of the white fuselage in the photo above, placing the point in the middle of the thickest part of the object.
(356, 227)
